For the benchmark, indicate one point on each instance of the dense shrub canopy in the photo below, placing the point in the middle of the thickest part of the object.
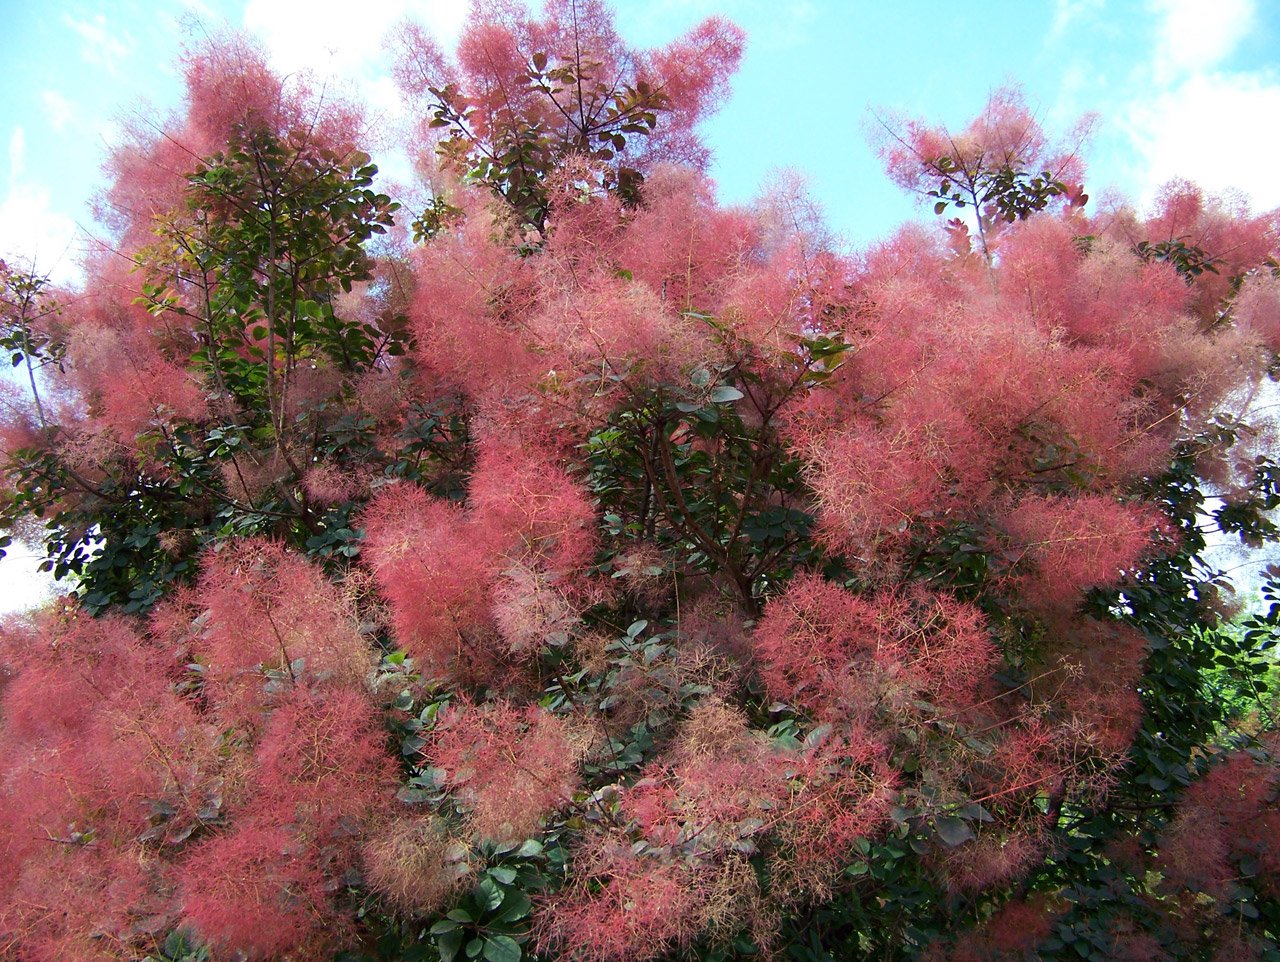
(575, 567)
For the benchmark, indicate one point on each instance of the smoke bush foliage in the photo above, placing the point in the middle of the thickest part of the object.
(574, 567)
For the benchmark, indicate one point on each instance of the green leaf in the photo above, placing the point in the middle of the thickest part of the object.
(488, 894)
(514, 907)
(175, 944)
(504, 874)
(724, 394)
(502, 948)
(953, 831)
(448, 943)
(530, 848)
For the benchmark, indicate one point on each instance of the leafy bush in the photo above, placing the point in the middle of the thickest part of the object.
(604, 573)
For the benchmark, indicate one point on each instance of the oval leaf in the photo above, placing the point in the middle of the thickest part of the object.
(501, 948)
(953, 831)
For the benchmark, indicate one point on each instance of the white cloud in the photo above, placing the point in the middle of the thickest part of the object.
(30, 229)
(1190, 40)
(1216, 129)
(17, 153)
(324, 36)
(24, 586)
(347, 52)
(1190, 116)
(102, 45)
(58, 110)
(1067, 12)
(793, 22)
(200, 9)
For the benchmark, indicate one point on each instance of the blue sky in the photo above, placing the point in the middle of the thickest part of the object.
(1176, 91)
(1180, 87)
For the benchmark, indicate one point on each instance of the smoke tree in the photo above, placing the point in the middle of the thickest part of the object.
(570, 566)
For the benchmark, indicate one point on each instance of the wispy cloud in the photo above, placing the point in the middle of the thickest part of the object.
(30, 229)
(323, 36)
(1214, 129)
(1198, 118)
(25, 586)
(349, 54)
(1177, 98)
(1067, 13)
(102, 44)
(794, 20)
(58, 110)
(17, 154)
(200, 9)
(1189, 41)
